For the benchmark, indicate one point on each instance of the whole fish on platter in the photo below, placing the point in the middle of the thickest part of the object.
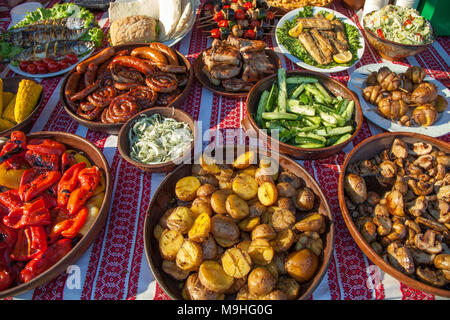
(55, 50)
(44, 31)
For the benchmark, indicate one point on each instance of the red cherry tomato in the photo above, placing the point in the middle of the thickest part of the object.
(248, 5)
(32, 68)
(270, 15)
(218, 16)
(47, 61)
(71, 58)
(41, 68)
(53, 67)
(227, 6)
(254, 24)
(249, 34)
(215, 33)
(23, 65)
(239, 14)
(222, 24)
(63, 64)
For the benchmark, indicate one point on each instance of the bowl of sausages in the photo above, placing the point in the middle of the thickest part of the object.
(109, 88)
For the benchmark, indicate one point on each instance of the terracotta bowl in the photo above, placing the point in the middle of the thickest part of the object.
(368, 149)
(334, 86)
(12, 85)
(166, 192)
(394, 51)
(114, 128)
(96, 157)
(198, 65)
(177, 114)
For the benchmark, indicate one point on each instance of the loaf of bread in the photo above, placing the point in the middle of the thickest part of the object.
(133, 29)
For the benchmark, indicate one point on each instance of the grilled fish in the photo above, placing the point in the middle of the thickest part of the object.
(338, 45)
(308, 42)
(55, 50)
(324, 45)
(44, 31)
(339, 30)
(317, 22)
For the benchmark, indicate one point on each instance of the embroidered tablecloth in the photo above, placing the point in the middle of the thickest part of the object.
(115, 266)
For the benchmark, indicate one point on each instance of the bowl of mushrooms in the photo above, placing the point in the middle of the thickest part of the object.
(394, 194)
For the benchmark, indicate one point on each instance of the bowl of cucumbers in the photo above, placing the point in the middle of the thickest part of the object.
(305, 114)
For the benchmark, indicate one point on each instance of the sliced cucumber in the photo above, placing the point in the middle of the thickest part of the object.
(301, 79)
(271, 101)
(261, 106)
(295, 107)
(279, 116)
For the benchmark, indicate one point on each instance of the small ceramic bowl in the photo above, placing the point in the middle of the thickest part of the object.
(124, 139)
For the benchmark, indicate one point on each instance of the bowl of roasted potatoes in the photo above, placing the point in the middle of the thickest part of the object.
(239, 223)
(394, 194)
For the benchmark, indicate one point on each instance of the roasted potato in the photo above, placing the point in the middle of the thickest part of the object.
(245, 186)
(312, 222)
(181, 220)
(283, 241)
(213, 277)
(260, 282)
(261, 251)
(264, 231)
(238, 283)
(289, 286)
(287, 176)
(186, 188)
(201, 205)
(171, 268)
(236, 207)
(163, 220)
(275, 295)
(209, 248)
(209, 165)
(201, 228)
(282, 219)
(170, 243)
(304, 199)
(209, 179)
(267, 194)
(248, 224)
(244, 160)
(286, 203)
(157, 231)
(251, 170)
(263, 175)
(197, 291)
(224, 227)
(218, 201)
(206, 190)
(236, 262)
(301, 265)
(256, 208)
(225, 243)
(244, 245)
(285, 190)
(189, 256)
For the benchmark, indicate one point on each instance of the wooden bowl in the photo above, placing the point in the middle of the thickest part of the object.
(166, 192)
(124, 142)
(12, 85)
(114, 128)
(368, 149)
(96, 157)
(198, 65)
(334, 86)
(395, 51)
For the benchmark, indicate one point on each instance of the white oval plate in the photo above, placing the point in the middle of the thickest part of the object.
(357, 78)
(48, 75)
(291, 14)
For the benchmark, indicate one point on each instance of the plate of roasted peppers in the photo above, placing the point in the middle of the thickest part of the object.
(402, 98)
(55, 191)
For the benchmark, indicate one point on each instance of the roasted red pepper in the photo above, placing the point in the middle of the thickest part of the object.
(31, 214)
(11, 199)
(31, 241)
(68, 183)
(6, 278)
(89, 179)
(49, 200)
(46, 260)
(67, 160)
(65, 224)
(42, 160)
(13, 151)
(8, 237)
(35, 181)
(46, 146)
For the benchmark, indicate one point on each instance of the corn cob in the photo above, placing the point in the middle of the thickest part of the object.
(7, 97)
(8, 113)
(5, 124)
(27, 97)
